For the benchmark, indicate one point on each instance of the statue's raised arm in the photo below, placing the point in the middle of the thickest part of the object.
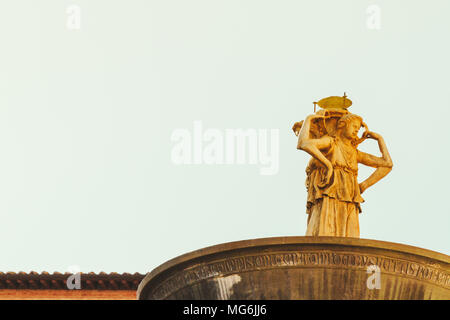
(314, 146)
(383, 164)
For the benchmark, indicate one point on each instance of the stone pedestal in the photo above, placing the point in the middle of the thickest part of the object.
(302, 268)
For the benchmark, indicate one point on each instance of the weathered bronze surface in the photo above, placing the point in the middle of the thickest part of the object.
(301, 268)
(330, 136)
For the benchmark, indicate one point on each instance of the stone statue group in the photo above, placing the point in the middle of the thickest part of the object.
(330, 136)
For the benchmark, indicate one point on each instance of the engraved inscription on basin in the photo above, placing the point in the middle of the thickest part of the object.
(301, 268)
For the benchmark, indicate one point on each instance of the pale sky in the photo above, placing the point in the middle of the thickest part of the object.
(87, 116)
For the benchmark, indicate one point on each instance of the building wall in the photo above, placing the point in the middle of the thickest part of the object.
(42, 294)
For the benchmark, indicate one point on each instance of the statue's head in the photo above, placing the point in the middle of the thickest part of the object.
(348, 126)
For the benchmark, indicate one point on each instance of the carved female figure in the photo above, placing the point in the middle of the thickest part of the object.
(334, 195)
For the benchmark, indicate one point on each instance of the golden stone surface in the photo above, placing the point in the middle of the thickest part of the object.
(335, 102)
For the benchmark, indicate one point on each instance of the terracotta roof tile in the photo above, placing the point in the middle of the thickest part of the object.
(57, 280)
